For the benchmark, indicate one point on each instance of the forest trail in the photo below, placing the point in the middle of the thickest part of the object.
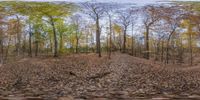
(88, 77)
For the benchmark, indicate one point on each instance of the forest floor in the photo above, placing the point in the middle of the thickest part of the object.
(87, 77)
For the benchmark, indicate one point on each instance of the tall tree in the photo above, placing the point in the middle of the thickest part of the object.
(30, 39)
(134, 18)
(95, 11)
(172, 16)
(48, 12)
(76, 21)
(109, 9)
(124, 19)
(189, 24)
(151, 15)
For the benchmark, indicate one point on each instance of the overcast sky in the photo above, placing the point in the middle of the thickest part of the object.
(122, 1)
(138, 2)
(119, 1)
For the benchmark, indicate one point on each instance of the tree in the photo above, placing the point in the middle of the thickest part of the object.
(62, 29)
(2, 47)
(76, 21)
(134, 18)
(160, 37)
(151, 16)
(124, 19)
(18, 33)
(109, 12)
(48, 12)
(189, 24)
(30, 39)
(117, 29)
(172, 16)
(95, 11)
(2, 33)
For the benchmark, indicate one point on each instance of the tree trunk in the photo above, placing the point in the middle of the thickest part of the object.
(24, 46)
(124, 43)
(162, 52)
(157, 51)
(2, 51)
(7, 51)
(77, 42)
(167, 55)
(181, 52)
(190, 47)
(147, 43)
(98, 41)
(51, 45)
(30, 41)
(110, 50)
(55, 38)
(61, 43)
(132, 47)
(114, 38)
(87, 41)
(18, 37)
(36, 47)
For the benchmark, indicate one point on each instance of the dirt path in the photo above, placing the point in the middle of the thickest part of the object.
(118, 67)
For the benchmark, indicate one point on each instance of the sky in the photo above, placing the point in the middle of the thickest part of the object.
(137, 2)
(118, 1)
(127, 1)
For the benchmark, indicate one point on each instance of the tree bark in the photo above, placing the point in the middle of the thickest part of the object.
(132, 47)
(77, 42)
(162, 52)
(18, 37)
(2, 49)
(157, 51)
(36, 47)
(61, 43)
(147, 43)
(7, 50)
(30, 41)
(167, 55)
(98, 41)
(55, 38)
(110, 50)
(124, 43)
(190, 47)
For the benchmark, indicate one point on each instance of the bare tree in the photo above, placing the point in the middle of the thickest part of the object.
(109, 9)
(151, 16)
(95, 11)
(30, 40)
(172, 16)
(134, 18)
(124, 19)
(76, 20)
(18, 33)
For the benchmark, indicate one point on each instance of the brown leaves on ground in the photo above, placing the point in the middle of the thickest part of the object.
(87, 76)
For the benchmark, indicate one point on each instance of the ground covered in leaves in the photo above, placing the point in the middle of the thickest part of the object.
(85, 76)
